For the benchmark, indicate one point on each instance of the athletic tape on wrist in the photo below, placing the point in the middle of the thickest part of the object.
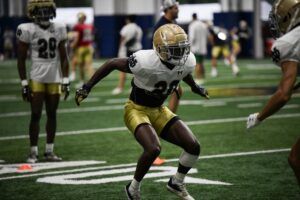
(65, 80)
(24, 82)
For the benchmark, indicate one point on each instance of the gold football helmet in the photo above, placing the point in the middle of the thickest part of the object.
(81, 16)
(41, 11)
(171, 44)
(284, 16)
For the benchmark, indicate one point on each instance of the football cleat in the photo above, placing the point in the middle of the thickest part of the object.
(132, 195)
(214, 72)
(51, 157)
(32, 158)
(235, 70)
(116, 91)
(179, 189)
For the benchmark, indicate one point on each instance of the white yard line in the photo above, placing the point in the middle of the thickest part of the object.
(205, 103)
(117, 129)
(237, 154)
(249, 105)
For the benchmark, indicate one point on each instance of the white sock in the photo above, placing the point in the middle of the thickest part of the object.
(34, 150)
(49, 148)
(135, 185)
(179, 177)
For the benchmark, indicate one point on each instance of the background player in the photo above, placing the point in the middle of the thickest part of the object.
(198, 35)
(47, 44)
(83, 48)
(156, 74)
(284, 19)
(130, 42)
(220, 44)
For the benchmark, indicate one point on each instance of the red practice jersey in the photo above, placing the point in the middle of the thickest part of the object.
(86, 32)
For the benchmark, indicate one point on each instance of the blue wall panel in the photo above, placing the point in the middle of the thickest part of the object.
(108, 29)
(231, 19)
(12, 23)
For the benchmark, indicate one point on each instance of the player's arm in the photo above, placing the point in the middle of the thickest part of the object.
(284, 91)
(75, 39)
(22, 55)
(120, 64)
(280, 97)
(64, 62)
(195, 87)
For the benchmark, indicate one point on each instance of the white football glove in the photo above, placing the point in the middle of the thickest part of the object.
(252, 120)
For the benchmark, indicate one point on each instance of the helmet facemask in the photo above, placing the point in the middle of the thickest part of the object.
(174, 54)
(171, 44)
(41, 11)
(273, 25)
(284, 16)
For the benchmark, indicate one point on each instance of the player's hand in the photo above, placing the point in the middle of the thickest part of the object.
(66, 90)
(26, 93)
(65, 87)
(252, 121)
(81, 94)
(198, 89)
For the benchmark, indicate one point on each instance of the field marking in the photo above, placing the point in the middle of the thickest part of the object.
(249, 105)
(235, 154)
(210, 103)
(116, 129)
(113, 79)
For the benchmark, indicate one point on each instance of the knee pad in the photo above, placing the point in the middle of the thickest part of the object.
(188, 160)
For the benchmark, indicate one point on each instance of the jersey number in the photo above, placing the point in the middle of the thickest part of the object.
(162, 87)
(47, 48)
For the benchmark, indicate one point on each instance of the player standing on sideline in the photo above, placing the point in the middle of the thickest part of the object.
(47, 44)
(198, 35)
(83, 48)
(285, 24)
(156, 75)
(130, 42)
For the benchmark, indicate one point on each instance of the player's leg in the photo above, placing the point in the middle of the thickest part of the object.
(294, 159)
(121, 84)
(36, 103)
(180, 135)
(137, 121)
(51, 102)
(146, 136)
(88, 61)
(226, 54)
(199, 70)
(174, 99)
(214, 55)
(73, 65)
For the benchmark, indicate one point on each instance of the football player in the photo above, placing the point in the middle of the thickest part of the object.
(48, 74)
(82, 46)
(156, 73)
(219, 40)
(285, 24)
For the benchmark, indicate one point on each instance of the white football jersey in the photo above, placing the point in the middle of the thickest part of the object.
(287, 47)
(43, 43)
(198, 34)
(130, 31)
(151, 74)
